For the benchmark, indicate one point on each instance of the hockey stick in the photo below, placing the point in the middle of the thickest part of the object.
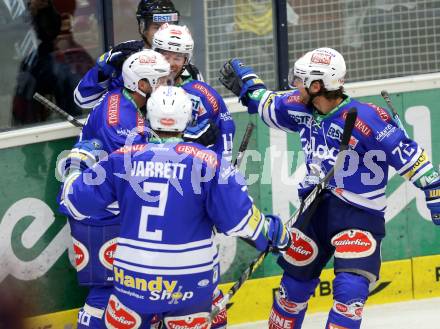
(244, 144)
(346, 135)
(396, 116)
(55, 108)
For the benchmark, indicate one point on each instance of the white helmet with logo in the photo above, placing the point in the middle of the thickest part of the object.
(169, 109)
(324, 64)
(145, 64)
(174, 38)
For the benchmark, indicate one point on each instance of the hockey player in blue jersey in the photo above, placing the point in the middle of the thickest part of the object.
(349, 219)
(115, 121)
(176, 44)
(106, 74)
(171, 195)
(210, 111)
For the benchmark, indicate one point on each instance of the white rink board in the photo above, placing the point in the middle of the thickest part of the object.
(420, 314)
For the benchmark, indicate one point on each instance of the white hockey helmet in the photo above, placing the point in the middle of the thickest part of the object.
(324, 64)
(145, 64)
(174, 38)
(169, 109)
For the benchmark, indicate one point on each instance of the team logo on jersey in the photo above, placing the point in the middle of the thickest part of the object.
(207, 156)
(107, 253)
(320, 58)
(353, 244)
(119, 316)
(302, 251)
(360, 125)
(385, 133)
(300, 118)
(131, 148)
(335, 132)
(293, 99)
(81, 255)
(113, 110)
(209, 96)
(193, 321)
(279, 321)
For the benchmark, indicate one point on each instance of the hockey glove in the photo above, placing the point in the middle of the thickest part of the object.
(240, 79)
(111, 62)
(83, 155)
(277, 234)
(432, 194)
(205, 133)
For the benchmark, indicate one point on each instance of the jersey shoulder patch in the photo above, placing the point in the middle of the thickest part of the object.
(207, 156)
(207, 92)
(381, 112)
(131, 148)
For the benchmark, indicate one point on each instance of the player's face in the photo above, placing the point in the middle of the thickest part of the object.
(176, 60)
(149, 32)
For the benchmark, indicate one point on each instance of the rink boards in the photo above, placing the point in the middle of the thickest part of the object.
(401, 280)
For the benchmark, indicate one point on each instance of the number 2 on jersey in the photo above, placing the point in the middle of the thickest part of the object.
(158, 210)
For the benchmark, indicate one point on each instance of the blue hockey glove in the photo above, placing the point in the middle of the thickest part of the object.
(432, 195)
(205, 133)
(240, 79)
(277, 234)
(111, 62)
(83, 155)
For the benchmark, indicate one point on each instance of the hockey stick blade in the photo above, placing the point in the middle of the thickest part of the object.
(396, 116)
(55, 108)
(244, 144)
(350, 121)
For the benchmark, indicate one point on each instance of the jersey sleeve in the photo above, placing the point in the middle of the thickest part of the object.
(90, 193)
(402, 153)
(231, 208)
(226, 125)
(281, 110)
(214, 104)
(89, 90)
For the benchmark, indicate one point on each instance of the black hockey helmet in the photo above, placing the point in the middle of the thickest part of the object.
(159, 11)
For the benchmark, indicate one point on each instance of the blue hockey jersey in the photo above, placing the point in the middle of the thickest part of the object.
(376, 143)
(115, 121)
(207, 103)
(171, 196)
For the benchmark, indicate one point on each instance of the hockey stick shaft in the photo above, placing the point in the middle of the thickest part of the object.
(396, 116)
(244, 144)
(55, 108)
(343, 146)
(346, 135)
